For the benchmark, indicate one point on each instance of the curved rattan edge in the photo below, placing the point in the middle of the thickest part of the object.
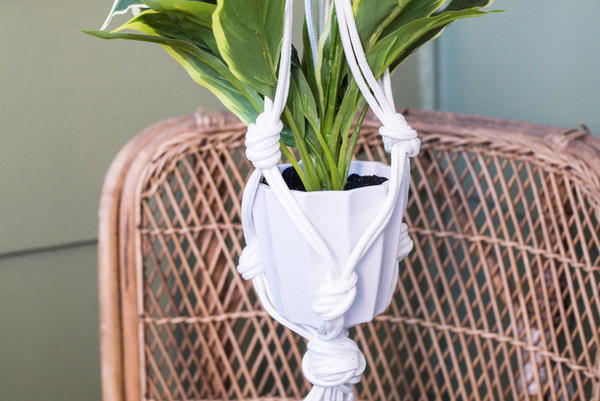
(575, 144)
(118, 307)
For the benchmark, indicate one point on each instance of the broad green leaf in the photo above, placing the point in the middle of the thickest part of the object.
(303, 107)
(374, 15)
(415, 10)
(457, 5)
(201, 66)
(200, 11)
(416, 45)
(248, 34)
(122, 7)
(174, 25)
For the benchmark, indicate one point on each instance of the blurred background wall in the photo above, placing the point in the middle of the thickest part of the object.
(539, 61)
(69, 102)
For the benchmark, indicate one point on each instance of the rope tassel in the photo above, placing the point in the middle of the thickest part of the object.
(333, 367)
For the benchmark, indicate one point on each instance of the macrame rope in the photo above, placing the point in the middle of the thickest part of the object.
(378, 95)
(333, 363)
(324, 11)
(313, 35)
(316, 27)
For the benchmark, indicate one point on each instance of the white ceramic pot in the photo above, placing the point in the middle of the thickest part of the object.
(295, 271)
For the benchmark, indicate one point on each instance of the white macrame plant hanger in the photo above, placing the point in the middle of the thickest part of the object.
(333, 362)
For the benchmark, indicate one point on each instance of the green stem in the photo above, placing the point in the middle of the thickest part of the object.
(349, 153)
(331, 100)
(293, 161)
(311, 181)
(386, 22)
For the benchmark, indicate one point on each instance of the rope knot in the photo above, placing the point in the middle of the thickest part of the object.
(335, 296)
(334, 364)
(262, 140)
(396, 130)
(250, 263)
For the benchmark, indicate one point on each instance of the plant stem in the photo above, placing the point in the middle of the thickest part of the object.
(311, 181)
(292, 159)
(354, 138)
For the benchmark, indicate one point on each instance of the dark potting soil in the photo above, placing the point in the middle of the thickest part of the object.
(292, 179)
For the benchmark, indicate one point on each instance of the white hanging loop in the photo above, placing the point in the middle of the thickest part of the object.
(333, 362)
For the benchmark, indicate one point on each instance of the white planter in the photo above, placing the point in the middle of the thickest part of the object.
(295, 271)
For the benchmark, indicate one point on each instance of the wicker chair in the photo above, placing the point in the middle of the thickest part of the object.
(500, 299)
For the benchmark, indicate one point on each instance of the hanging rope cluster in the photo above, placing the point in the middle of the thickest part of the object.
(333, 362)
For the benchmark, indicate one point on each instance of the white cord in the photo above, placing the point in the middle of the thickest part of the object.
(324, 11)
(395, 129)
(333, 362)
(312, 32)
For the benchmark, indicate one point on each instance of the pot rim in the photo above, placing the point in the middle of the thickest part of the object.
(296, 192)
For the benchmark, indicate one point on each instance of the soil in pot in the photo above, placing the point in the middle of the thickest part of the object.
(291, 178)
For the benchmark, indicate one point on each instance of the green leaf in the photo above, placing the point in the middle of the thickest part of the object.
(415, 10)
(303, 93)
(199, 11)
(371, 15)
(301, 116)
(457, 5)
(174, 25)
(121, 7)
(201, 66)
(248, 34)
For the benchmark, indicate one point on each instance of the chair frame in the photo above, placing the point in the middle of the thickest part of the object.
(119, 245)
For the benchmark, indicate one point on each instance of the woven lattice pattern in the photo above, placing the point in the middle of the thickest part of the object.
(499, 300)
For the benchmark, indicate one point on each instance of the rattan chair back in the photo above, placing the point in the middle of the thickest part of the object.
(500, 299)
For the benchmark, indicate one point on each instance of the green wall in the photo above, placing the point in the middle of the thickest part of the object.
(539, 61)
(49, 327)
(68, 103)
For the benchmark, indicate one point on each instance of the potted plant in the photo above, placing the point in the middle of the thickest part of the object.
(324, 232)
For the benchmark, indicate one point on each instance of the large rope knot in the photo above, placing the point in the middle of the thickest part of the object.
(250, 263)
(335, 296)
(262, 140)
(333, 365)
(396, 130)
